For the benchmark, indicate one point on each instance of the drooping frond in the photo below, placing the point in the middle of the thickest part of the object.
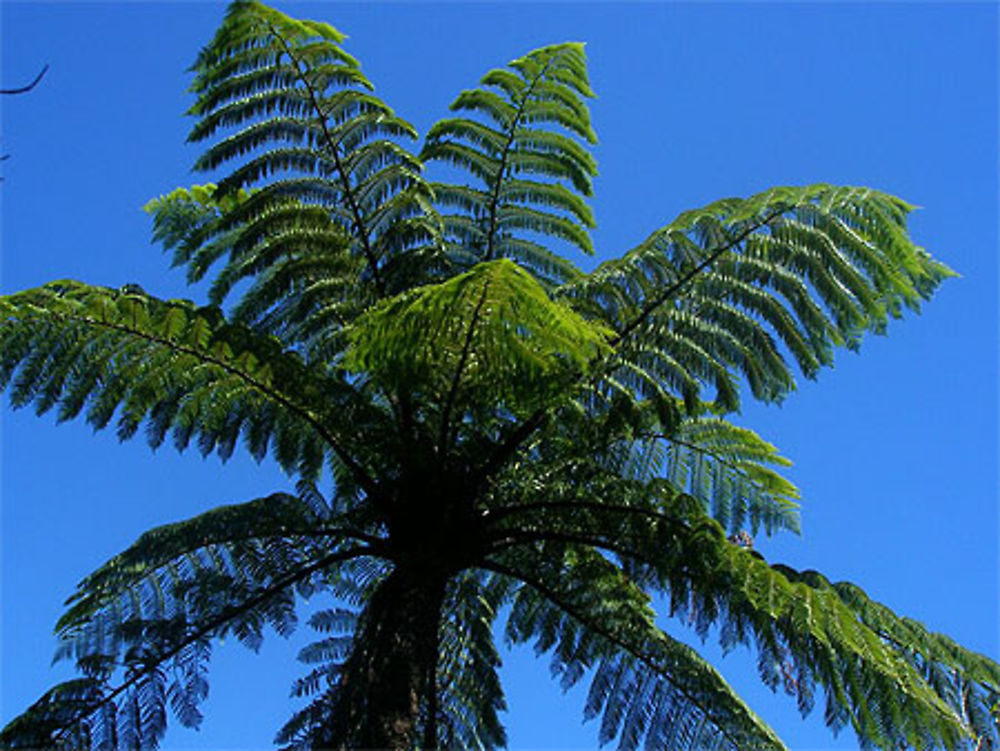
(491, 336)
(531, 176)
(140, 627)
(731, 471)
(730, 290)
(968, 681)
(470, 696)
(805, 632)
(647, 688)
(177, 368)
(326, 656)
(467, 695)
(294, 120)
(807, 636)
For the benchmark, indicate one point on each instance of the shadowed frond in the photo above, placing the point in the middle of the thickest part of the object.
(140, 627)
(731, 471)
(470, 696)
(805, 632)
(531, 176)
(647, 688)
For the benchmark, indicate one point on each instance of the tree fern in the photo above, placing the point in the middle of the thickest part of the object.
(508, 441)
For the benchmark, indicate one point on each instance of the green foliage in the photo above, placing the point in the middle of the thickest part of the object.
(517, 140)
(724, 291)
(178, 368)
(489, 336)
(503, 434)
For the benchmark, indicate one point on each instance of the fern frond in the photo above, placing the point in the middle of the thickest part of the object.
(491, 335)
(177, 368)
(516, 137)
(147, 616)
(805, 632)
(742, 282)
(648, 688)
(470, 694)
(731, 471)
(294, 121)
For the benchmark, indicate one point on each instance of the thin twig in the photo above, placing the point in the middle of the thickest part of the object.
(30, 86)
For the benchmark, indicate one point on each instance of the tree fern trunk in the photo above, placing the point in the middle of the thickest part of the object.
(393, 665)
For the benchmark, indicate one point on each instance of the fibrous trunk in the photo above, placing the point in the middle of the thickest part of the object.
(392, 668)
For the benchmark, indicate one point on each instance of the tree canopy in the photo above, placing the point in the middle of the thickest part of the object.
(479, 430)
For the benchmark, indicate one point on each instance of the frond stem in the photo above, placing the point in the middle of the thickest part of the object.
(511, 444)
(504, 155)
(456, 378)
(494, 516)
(524, 536)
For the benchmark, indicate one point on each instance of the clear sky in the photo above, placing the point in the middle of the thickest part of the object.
(895, 450)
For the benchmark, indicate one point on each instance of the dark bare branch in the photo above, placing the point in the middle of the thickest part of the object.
(30, 86)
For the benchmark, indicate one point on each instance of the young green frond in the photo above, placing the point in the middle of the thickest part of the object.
(490, 336)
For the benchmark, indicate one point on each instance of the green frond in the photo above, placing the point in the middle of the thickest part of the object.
(295, 125)
(239, 530)
(647, 688)
(471, 696)
(544, 88)
(807, 635)
(37, 726)
(178, 368)
(492, 335)
(140, 627)
(791, 271)
(731, 470)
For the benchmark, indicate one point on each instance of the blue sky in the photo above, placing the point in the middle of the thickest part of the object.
(895, 450)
